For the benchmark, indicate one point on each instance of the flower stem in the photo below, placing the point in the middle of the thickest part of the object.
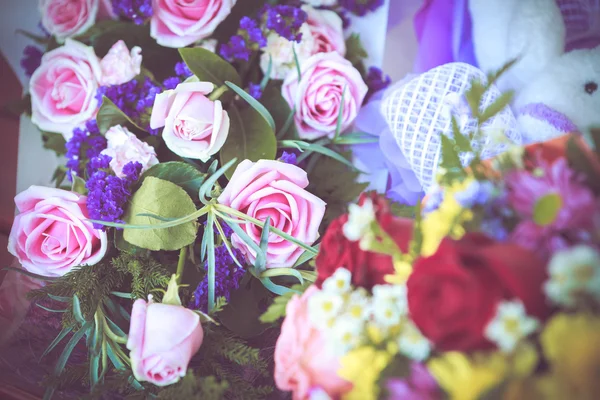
(181, 263)
(218, 92)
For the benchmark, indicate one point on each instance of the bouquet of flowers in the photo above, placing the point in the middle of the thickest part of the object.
(205, 142)
(492, 291)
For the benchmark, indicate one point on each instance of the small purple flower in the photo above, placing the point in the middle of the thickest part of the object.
(360, 7)
(377, 80)
(236, 49)
(285, 21)
(172, 82)
(255, 90)
(227, 278)
(139, 11)
(434, 199)
(182, 70)
(32, 59)
(85, 144)
(288, 158)
(477, 193)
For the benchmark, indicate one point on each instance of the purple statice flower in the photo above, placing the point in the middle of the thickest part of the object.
(285, 21)
(288, 158)
(573, 220)
(476, 194)
(236, 49)
(255, 90)
(253, 31)
(376, 81)
(419, 385)
(85, 144)
(435, 197)
(171, 83)
(139, 11)
(360, 7)
(135, 98)
(227, 278)
(182, 70)
(107, 193)
(32, 59)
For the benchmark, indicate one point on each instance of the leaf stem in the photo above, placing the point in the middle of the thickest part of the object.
(181, 263)
(218, 92)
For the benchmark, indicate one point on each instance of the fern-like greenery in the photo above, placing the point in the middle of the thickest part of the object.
(192, 387)
(146, 275)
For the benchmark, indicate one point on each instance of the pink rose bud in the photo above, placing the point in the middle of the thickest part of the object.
(304, 361)
(274, 189)
(326, 28)
(317, 98)
(119, 65)
(124, 147)
(162, 340)
(178, 23)
(63, 88)
(51, 234)
(195, 126)
(67, 18)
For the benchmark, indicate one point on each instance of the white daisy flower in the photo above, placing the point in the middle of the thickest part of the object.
(391, 293)
(413, 344)
(386, 313)
(358, 305)
(339, 282)
(510, 325)
(323, 307)
(572, 272)
(359, 220)
(346, 334)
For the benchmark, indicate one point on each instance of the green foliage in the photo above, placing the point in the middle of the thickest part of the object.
(91, 284)
(253, 103)
(209, 67)
(250, 137)
(402, 210)
(279, 109)
(241, 314)
(166, 200)
(193, 387)
(146, 274)
(355, 52)
(78, 185)
(110, 115)
(55, 142)
(182, 174)
(277, 309)
(335, 184)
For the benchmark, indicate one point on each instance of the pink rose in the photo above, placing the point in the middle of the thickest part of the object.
(119, 65)
(317, 98)
(51, 235)
(162, 340)
(67, 18)
(63, 88)
(303, 358)
(274, 189)
(327, 30)
(124, 147)
(178, 23)
(195, 126)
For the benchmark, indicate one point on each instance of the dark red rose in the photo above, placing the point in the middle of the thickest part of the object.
(368, 269)
(453, 294)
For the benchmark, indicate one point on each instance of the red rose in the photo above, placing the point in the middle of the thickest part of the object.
(368, 269)
(453, 294)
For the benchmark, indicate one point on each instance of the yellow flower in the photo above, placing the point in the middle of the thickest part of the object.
(467, 379)
(571, 344)
(447, 220)
(362, 367)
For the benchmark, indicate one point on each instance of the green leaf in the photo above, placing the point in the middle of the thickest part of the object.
(496, 107)
(463, 143)
(450, 159)
(180, 173)
(334, 183)
(65, 331)
(253, 103)
(355, 52)
(62, 360)
(250, 138)
(277, 309)
(165, 199)
(209, 67)
(493, 77)
(273, 272)
(241, 314)
(306, 257)
(546, 209)
(297, 63)
(210, 253)
(279, 109)
(77, 310)
(55, 142)
(340, 117)
(110, 115)
(474, 96)
(125, 246)
(36, 38)
(78, 185)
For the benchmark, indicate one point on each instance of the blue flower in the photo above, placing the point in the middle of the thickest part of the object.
(32, 59)
(136, 10)
(477, 193)
(85, 144)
